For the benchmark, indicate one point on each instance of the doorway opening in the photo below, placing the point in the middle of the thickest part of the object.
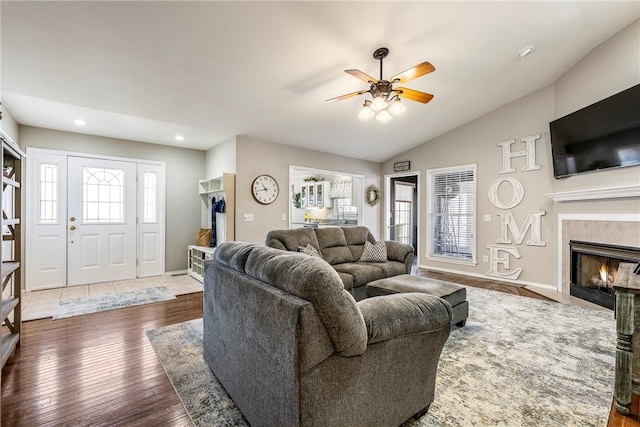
(323, 198)
(402, 202)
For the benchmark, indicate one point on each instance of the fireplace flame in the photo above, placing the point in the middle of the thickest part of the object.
(603, 273)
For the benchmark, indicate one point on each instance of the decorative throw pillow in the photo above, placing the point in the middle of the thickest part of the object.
(376, 252)
(309, 250)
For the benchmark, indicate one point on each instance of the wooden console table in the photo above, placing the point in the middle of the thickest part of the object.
(627, 376)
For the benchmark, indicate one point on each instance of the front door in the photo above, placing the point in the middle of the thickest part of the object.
(101, 220)
(82, 224)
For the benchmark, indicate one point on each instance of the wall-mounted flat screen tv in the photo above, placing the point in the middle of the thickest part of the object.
(601, 136)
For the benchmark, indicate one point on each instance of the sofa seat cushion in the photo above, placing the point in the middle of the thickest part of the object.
(362, 273)
(390, 268)
(333, 245)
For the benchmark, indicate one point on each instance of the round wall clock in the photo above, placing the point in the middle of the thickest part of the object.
(265, 189)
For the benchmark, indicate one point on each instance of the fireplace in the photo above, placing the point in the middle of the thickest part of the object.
(594, 267)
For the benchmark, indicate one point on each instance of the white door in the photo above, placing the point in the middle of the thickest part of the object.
(89, 219)
(101, 220)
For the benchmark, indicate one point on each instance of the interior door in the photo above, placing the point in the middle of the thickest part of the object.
(101, 220)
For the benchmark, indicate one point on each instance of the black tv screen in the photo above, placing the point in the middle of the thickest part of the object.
(601, 136)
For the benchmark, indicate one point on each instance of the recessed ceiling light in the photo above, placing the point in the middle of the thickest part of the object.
(79, 122)
(179, 138)
(526, 51)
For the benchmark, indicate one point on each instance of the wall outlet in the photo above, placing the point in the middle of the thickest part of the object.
(485, 258)
(247, 217)
(284, 217)
(487, 218)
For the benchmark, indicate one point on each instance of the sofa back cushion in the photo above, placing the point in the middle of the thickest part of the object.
(309, 278)
(355, 237)
(333, 245)
(290, 239)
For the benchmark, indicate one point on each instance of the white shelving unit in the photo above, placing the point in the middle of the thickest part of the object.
(10, 202)
(223, 186)
(196, 257)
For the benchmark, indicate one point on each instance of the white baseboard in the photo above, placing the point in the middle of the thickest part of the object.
(175, 273)
(484, 276)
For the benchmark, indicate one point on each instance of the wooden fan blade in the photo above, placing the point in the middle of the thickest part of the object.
(347, 96)
(413, 73)
(413, 95)
(362, 76)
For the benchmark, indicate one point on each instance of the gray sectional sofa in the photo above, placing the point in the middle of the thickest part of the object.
(342, 248)
(292, 347)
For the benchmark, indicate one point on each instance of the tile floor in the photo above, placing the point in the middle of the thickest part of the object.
(42, 304)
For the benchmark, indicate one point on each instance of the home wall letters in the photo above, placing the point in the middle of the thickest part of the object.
(500, 255)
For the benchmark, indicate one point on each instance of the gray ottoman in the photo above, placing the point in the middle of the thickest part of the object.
(456, 295)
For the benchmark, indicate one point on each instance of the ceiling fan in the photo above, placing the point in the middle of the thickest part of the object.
(386, 98)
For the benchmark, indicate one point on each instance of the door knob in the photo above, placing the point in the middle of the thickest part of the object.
(73, 218)
(73, 227)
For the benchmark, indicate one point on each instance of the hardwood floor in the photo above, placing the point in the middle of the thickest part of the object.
(480, 283)
(97, 370)
(100, 369)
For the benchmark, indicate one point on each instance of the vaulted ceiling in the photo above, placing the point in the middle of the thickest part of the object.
(209, 71)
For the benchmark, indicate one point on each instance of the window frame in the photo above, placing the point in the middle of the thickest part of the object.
(431, 202)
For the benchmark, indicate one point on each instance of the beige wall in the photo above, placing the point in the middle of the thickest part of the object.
(476, 143)
(221, 159)
(184, 167)
(256, 157)
(8, 124)
(611, 67)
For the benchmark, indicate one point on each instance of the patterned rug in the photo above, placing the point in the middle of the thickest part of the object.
(79, 306)
(518, 362)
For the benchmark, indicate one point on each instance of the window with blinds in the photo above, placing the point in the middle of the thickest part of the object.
(452, 213)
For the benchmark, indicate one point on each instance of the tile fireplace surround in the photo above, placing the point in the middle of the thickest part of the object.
(616, 230)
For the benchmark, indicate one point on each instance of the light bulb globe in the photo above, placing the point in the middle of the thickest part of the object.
(378, 104)
(384, 116)
(397, 107)
(366, 113)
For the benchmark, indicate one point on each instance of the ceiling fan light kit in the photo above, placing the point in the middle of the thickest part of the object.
(386, 99)
(366, 112)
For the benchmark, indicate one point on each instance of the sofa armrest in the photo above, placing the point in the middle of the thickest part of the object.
(398, 315)
(401, 252)
(276, 244)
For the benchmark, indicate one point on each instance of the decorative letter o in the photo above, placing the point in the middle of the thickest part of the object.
(518, 193)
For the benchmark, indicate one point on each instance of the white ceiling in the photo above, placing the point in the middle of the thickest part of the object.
(146, 70)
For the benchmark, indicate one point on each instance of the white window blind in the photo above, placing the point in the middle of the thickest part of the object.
(452, 213)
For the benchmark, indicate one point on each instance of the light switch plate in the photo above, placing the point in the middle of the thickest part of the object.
(247, 217)
(284, 217)
(486, 218)
(485, 258)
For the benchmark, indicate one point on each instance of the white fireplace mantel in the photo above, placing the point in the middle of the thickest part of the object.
(619, 192)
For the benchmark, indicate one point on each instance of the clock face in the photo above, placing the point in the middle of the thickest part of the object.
(265, 189)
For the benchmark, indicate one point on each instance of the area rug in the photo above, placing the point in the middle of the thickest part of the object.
(79, 306)
(517, 362)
